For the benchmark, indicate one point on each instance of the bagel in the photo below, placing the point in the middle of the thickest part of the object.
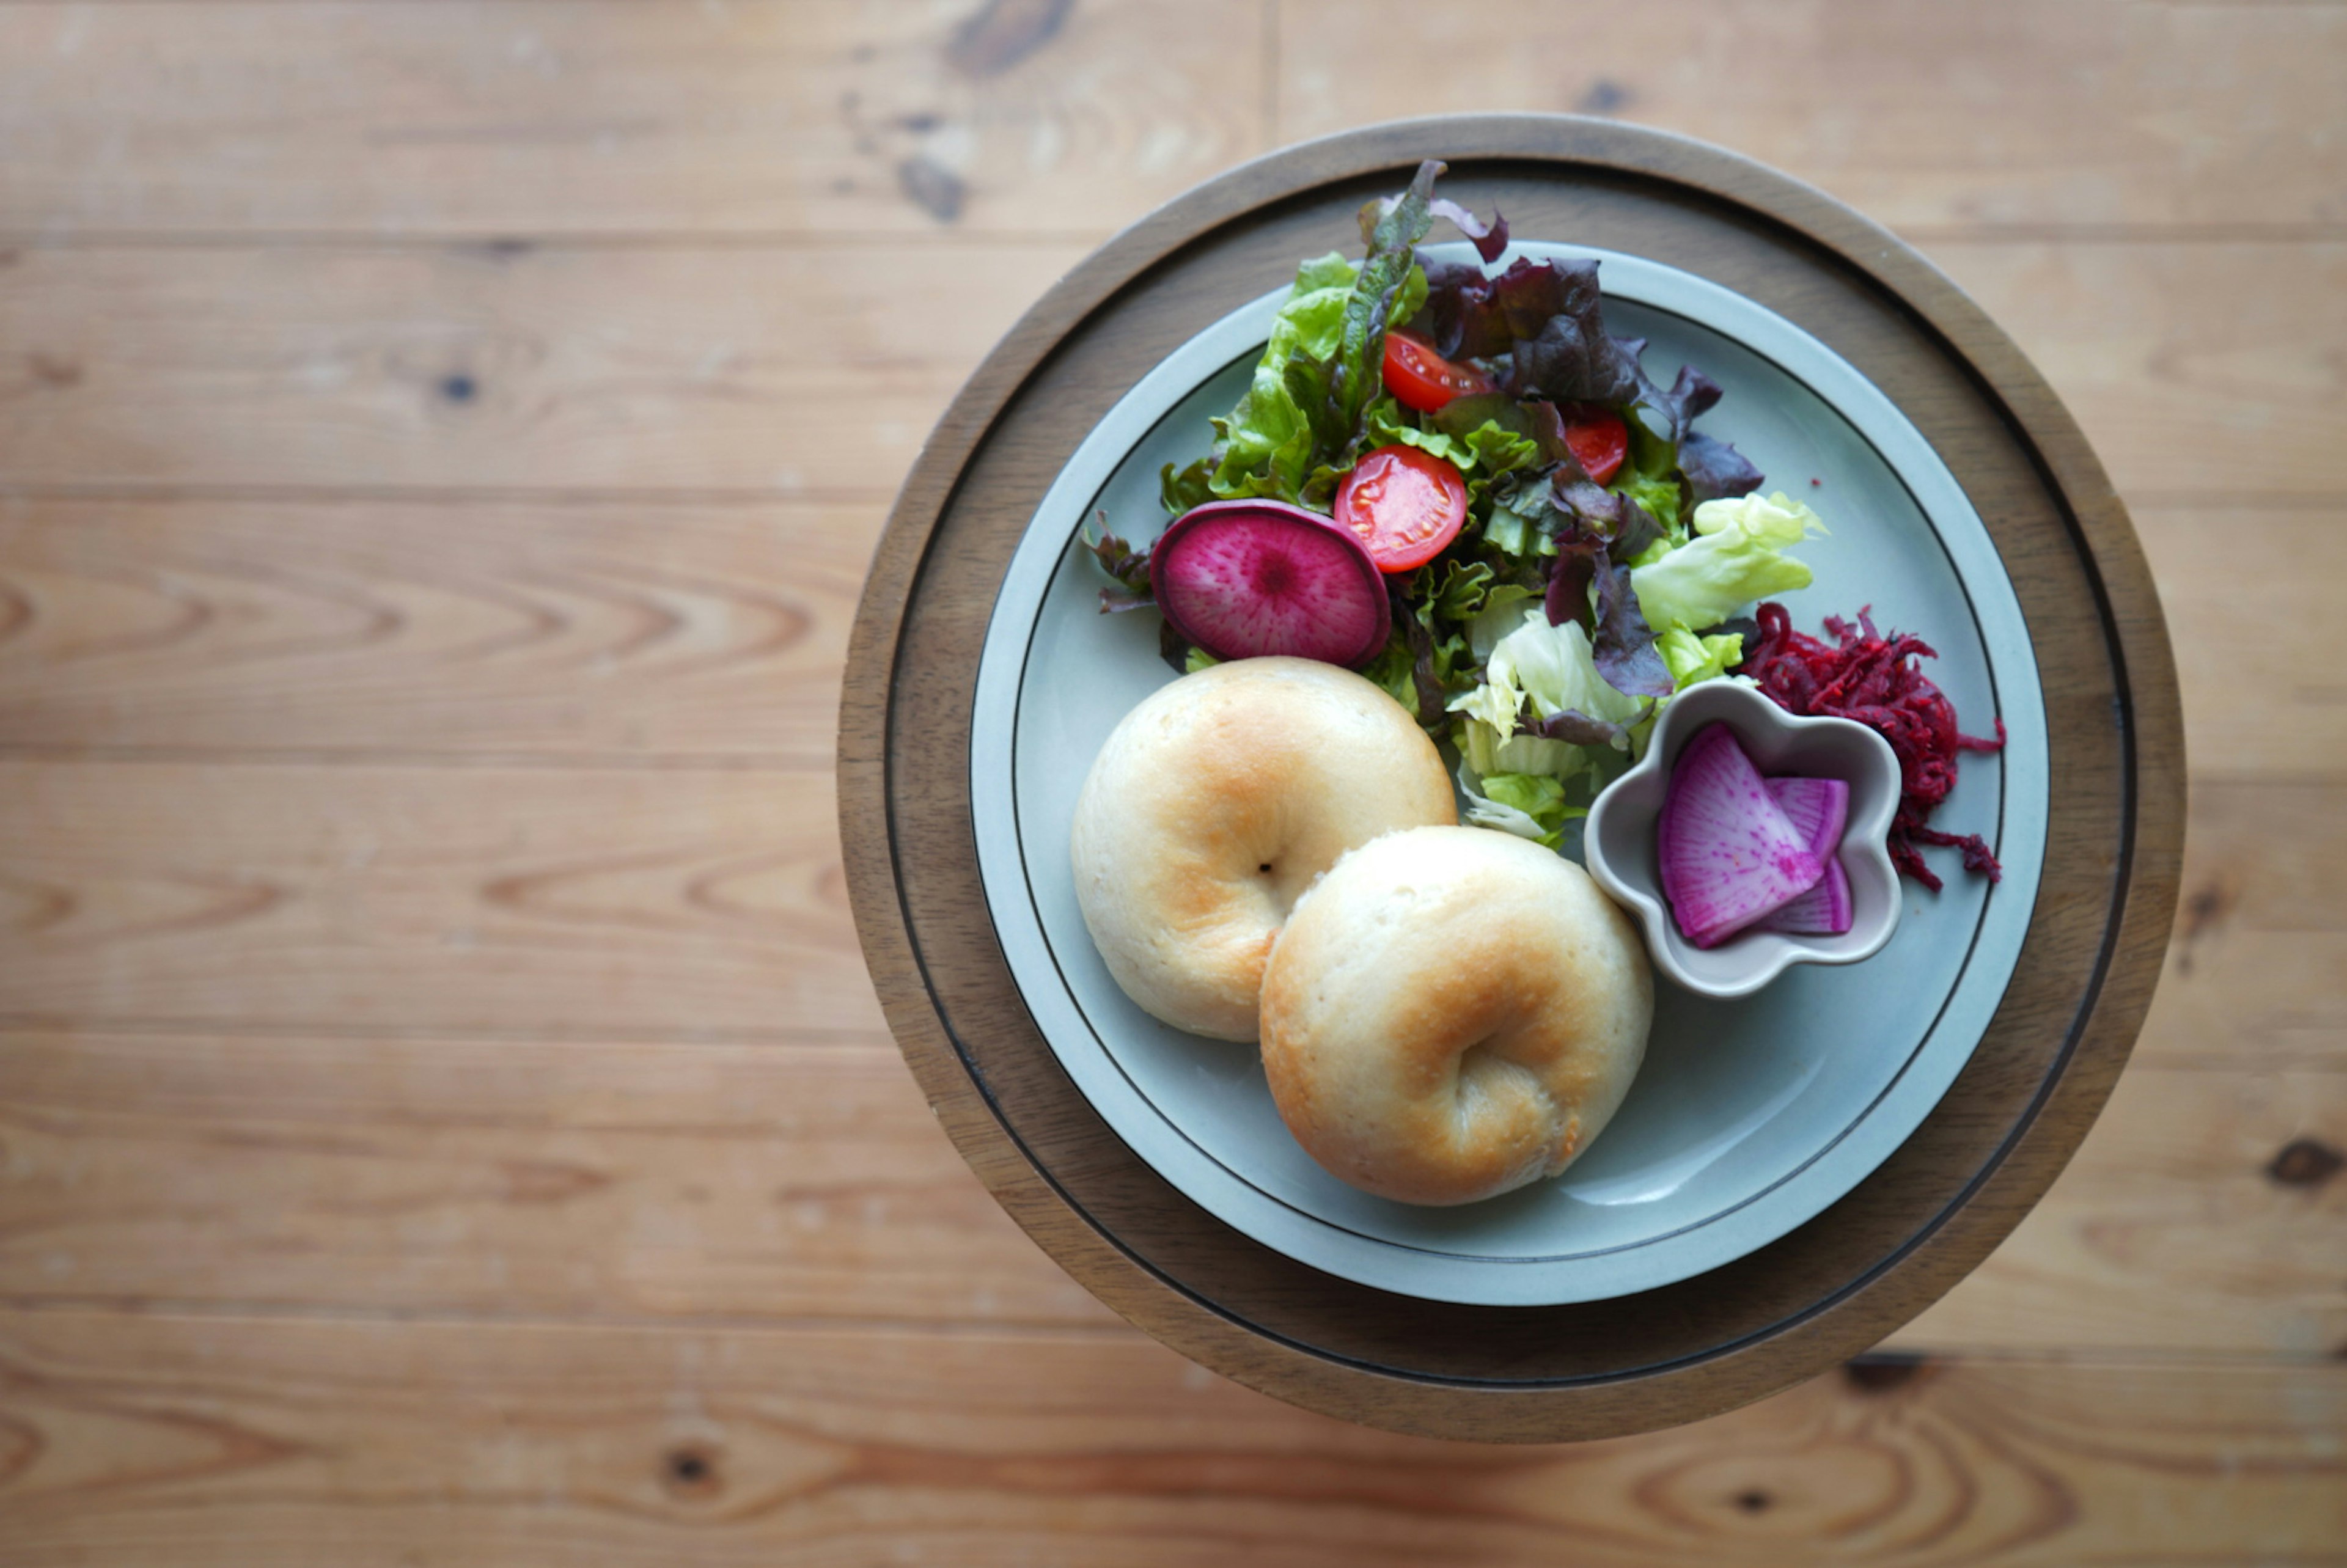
(1215, 804)
(1452, 1012)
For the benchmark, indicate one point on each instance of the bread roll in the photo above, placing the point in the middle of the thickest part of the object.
(1215, 804)
(1451, 1013)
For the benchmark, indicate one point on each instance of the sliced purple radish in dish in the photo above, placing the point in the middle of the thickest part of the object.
(1823, 911)
(1818, 808)
(1243, 580)
(1728, 855)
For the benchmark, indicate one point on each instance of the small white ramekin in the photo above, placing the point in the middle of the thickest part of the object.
(1618, 840)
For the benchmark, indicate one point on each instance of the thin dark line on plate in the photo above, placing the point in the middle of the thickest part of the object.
(1955, 985)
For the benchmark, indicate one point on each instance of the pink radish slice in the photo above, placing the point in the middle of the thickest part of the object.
(1817, 809)
(1823, 911)
(1728, 855)
(1243, 579)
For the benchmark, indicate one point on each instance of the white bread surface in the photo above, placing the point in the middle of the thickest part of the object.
(1453, 1012)
(1215, 804)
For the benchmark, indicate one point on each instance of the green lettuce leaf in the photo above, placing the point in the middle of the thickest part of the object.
(1691, 657)
(1545, 670)
(1735, 557)
(1302, 422)
(1530, 805)
(1265, 447)
(1480, 455)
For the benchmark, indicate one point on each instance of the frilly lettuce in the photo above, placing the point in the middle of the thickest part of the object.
(1536, 673)
(1530, 805)
(1737, 556)
(1266, 444)
(1480, 455)
(1692, 659)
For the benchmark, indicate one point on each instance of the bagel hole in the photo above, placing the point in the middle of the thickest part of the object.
(1491, 1084)
(1264, 868)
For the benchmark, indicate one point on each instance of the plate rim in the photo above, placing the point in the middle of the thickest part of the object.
(1824, 1175)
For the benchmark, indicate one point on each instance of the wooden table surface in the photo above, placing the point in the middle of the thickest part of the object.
(443, 1118)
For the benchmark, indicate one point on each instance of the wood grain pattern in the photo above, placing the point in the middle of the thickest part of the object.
(618, 631)
(2170, 1231)
(778, 372)
(804, 115)
(254, 1442)
(1998, 116)
(604, 1180)
(684, 902)
(636, 629)
(571, 1180)
(2260, 697)
(501, 531)
(793, 370)
(2252, 974)
(2248, 982)
(753, 117)
(658, 629)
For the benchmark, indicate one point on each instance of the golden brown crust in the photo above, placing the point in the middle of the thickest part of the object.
(1452, 1012)
(1215, 804)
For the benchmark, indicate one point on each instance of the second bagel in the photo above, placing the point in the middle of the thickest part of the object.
(1452, 1012)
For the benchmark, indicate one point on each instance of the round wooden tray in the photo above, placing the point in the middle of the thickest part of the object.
(1828, 1290)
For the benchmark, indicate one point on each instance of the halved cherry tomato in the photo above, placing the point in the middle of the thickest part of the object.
(1404, 504)
(1424, 380)
(1598, 437)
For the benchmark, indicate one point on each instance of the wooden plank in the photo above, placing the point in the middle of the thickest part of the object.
(2260, 935)
(776, 372)
(654, 628)
(820, 115)
(781, 371)
(2248, 593)
(586, 1180)
(678, 902)
(2195, 369)
(695, 901)
(139, 891)
(2171, 1229)
(757, 115)
(297, 628)
(501, 1178)
(254, 1442)
(1925, 117)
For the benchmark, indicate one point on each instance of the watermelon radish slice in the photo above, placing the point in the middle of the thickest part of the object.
(1247, 578)
(1822, 911)
(1729, 854)
(1819, 809)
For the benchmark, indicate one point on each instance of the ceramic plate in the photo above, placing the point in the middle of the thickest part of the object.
(1749, 1116)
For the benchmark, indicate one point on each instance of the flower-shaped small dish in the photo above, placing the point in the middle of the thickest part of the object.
(1618, 840)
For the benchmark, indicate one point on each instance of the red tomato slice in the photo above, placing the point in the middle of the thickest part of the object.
(1404, 504)
(1422, 379)
(1599, 439)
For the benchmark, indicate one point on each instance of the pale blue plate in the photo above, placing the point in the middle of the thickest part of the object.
(1750, 1116)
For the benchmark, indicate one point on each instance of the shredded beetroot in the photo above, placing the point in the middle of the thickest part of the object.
(1876, 680)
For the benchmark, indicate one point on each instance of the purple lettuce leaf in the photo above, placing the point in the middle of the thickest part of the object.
(1623, 647)
(1715, 469)
(1541, 325)
(1127, 566)
(1580, 729)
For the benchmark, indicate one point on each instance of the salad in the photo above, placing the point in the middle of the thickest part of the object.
(1543, 548)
